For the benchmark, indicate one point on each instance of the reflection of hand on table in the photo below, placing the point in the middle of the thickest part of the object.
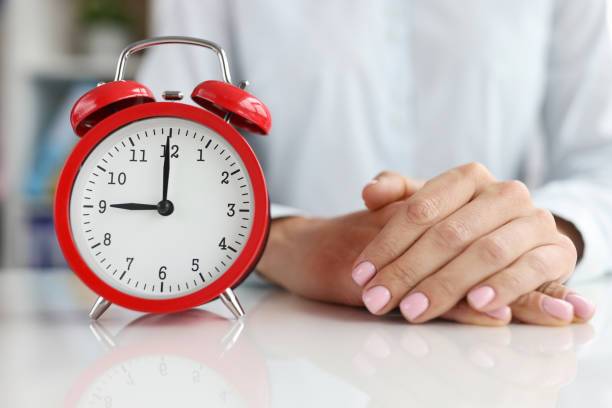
(427, 365)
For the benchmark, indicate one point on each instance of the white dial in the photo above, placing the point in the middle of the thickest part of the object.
(124, 235)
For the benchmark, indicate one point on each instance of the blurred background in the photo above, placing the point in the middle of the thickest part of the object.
(51, 52)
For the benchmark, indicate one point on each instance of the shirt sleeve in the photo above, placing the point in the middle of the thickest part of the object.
(577, 119)
(282, 211)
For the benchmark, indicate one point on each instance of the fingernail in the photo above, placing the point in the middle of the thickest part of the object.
(376, 298)
(412, 306)
(558, 308)
(582, 307)
(363, 272)
(502, 313)
(481, 296)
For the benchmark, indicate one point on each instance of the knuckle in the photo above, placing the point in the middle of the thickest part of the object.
(513, 283)
(451, 234)
(515, 189)
(539, 263)
(473, 169)
(383, 249)
(443, 288)
(402, 275)
(423, 210)
(527, 299)
(545, 217)
(494, 250)
(569, 248)
(554, 289)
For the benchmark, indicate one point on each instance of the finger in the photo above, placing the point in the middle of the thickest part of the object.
(539, 308)
(542, 264)
(463, 313)
(583, 308)
(438, 292)
(387, 187)
(436, 200)
(449, 238)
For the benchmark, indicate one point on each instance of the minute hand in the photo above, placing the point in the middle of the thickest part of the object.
(135, 206)
(166, 167)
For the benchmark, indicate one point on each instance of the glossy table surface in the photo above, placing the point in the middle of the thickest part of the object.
(287, 352)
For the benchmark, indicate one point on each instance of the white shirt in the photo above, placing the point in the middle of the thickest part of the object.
(419, 87)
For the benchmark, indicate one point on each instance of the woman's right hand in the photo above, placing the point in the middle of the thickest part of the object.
(312, 257)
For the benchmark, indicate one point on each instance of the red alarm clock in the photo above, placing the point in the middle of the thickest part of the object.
(162, 206)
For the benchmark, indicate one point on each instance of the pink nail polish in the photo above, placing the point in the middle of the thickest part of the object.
(480, 297)
(582, 307)
(502, 313)
(363, 272)
(558, 308)
(376, 298)
(373, 181)
(412, 306)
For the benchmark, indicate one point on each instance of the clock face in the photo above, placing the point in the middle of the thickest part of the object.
(161, 381)
(114, 217)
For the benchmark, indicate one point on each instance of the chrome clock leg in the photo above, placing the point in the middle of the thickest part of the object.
(230, 300)
(99, 308)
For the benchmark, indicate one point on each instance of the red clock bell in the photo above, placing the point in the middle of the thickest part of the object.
(162, 206)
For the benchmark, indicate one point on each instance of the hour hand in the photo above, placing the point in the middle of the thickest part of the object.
(135, 206)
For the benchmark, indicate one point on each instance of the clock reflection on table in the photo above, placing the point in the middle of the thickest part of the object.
(193, 358)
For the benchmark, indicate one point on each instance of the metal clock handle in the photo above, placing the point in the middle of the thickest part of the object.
(141, 45)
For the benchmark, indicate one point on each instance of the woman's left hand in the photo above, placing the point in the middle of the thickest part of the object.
(462, 235)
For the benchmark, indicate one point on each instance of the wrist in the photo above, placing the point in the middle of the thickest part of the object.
(280, 247)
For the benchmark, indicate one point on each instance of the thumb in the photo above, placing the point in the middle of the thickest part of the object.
(387, 187)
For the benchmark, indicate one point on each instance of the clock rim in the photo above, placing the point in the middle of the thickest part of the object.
(235, 273)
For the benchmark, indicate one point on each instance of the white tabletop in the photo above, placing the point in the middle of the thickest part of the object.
(287, 352)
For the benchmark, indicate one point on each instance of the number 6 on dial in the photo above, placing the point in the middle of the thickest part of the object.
(141, 230)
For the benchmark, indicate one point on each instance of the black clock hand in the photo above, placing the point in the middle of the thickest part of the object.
(135, 206)
(166, 167)
(165, 206)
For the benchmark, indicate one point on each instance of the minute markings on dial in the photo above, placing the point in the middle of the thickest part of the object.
(111, 159)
